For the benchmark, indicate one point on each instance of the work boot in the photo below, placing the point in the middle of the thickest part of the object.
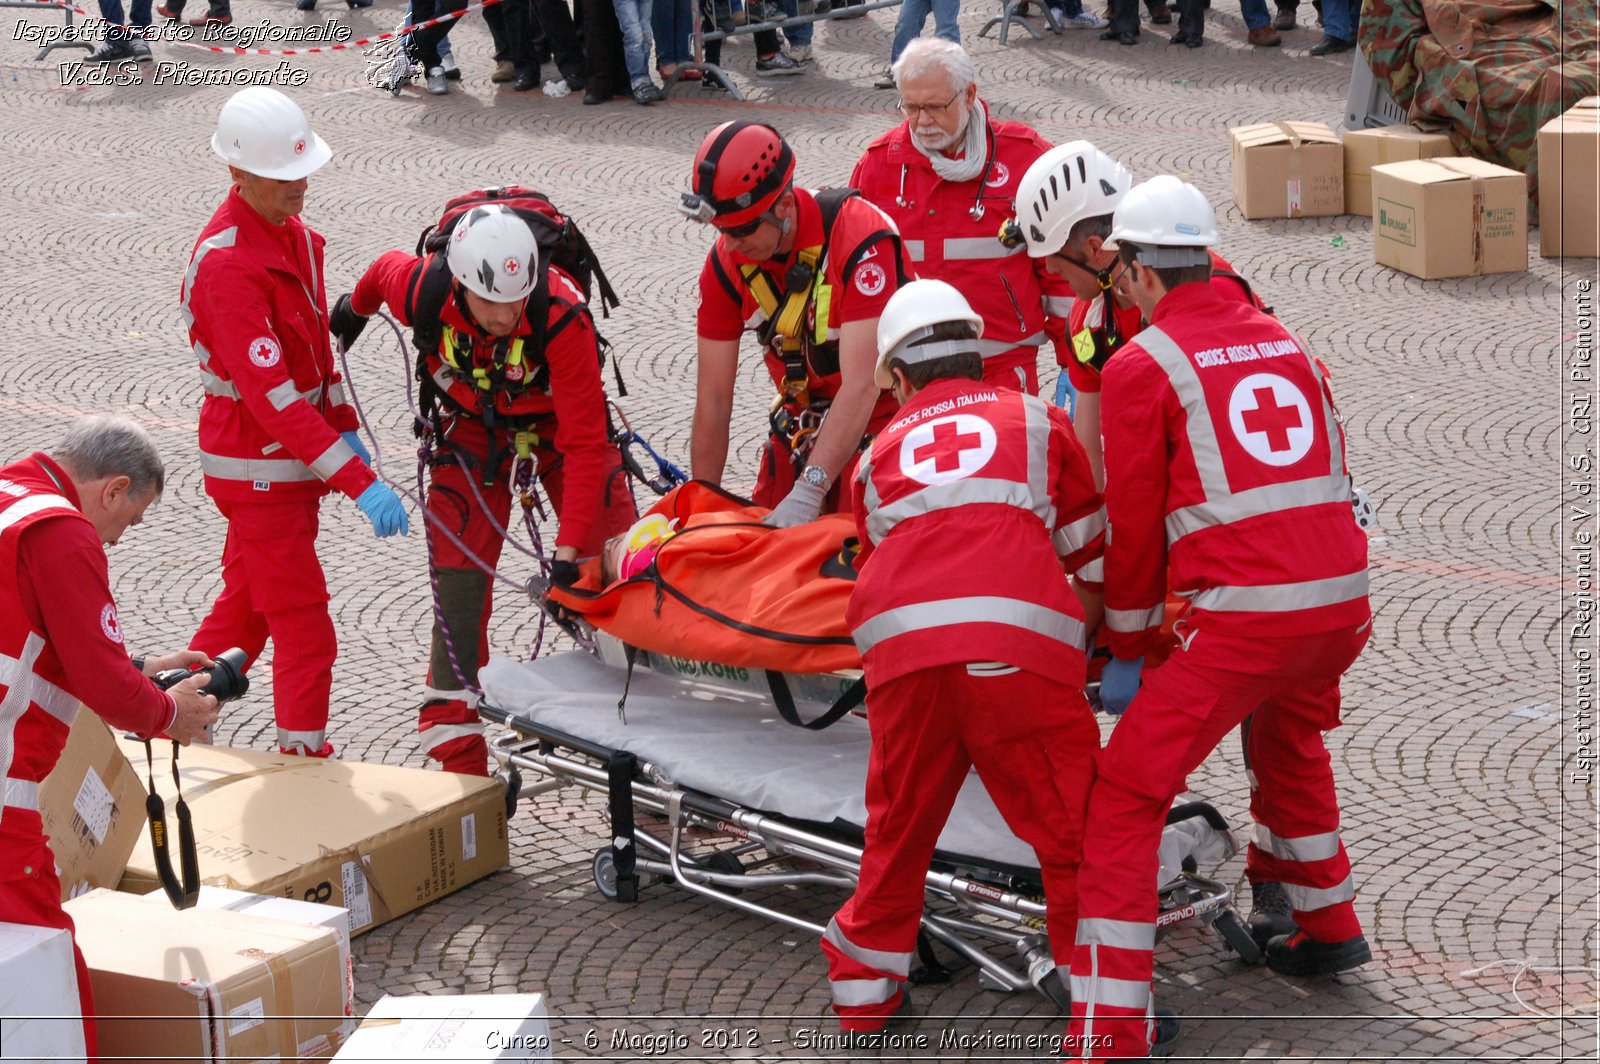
(1300, 954)
(436, 83)
(1284, 19)
(504, 71)
(1265, 37)
(1271, 913)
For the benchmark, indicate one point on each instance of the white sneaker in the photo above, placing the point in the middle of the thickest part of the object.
(1083, 20)
(800, 53)
(436, 83)
(447, 63)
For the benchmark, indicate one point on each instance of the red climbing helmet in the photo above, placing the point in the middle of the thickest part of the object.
(740, 171)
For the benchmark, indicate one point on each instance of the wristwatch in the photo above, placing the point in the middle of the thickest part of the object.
(815, 475)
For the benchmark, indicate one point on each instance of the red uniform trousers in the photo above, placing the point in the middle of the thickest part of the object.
(1034, 744)
(35, 900)
(273, 587)
(449, 724)
(1209, 685)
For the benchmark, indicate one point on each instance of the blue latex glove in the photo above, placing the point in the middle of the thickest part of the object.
(353, 438)
(384, 509)
(1119, 682)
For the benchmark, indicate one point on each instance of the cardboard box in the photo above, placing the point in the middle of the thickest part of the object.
(1366, 148)
(1569, 182)
(92, 804)
(209, 984)
(1287, 170)
(39, 1012)
(376, 840)
(462, 1027)
(265, 906)
(1449, 217)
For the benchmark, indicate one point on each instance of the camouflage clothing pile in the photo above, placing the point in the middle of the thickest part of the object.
(1491, 71)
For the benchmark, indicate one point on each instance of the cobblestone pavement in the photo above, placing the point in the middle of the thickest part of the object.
(1474, 852)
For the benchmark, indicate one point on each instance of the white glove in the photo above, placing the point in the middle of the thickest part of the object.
(802, 504)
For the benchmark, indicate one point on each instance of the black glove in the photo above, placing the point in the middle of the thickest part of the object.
(344, 323)
(563, 574)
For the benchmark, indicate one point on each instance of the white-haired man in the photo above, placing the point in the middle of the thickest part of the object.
(948, 176)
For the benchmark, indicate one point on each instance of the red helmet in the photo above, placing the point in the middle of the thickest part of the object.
(740, 171)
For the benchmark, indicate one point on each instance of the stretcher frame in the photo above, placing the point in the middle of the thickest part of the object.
(721, 850)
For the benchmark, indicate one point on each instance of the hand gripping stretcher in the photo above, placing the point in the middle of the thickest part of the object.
(744, 800)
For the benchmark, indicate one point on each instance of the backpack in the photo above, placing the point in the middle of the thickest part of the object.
(561, 244)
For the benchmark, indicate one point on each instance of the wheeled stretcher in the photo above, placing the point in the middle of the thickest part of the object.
(740, 800)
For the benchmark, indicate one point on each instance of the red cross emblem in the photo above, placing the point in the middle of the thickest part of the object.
(299, 147)
(1271, 418)
(947, 448)
(512, 267)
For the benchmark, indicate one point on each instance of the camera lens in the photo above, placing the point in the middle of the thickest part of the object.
(228, 680)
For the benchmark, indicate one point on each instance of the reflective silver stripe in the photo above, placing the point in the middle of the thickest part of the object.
(966, 248)
(467, 698)
(914, 250)
(283, 394)
(278, 471)
(881, 520)
(1135, 620)
(990, 348)
(202, 355)
(1310, 899)
(22, 794)
(443, 377)
(1118, 993)
(1253, 502)
(336, 394)
(224, 239)
(215, 385)
(1122, 934)
(1281, 598)
(1036, 421)
(1094, 571)
(1305, 848)
(877, 959)
(1080, 533)
(975, 609)
(329, 462)
(313, 741)
(27, 686)
(439, 734)
(857, 992)
(33, 504)
(1058, 306)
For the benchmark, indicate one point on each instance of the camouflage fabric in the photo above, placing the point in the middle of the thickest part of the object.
(1490, 71)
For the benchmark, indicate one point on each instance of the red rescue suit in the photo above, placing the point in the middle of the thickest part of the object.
(972, 641)
(552, 401)
(1225, 471)
(60, 643)
(861, 267)
(257, 313)
(951, 233)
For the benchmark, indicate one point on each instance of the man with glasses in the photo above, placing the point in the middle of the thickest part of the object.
(948, 175)
(809, 273)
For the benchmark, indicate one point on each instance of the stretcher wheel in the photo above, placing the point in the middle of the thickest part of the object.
(727, 864)
(510, 777)
(1238, 937)
(605, 873)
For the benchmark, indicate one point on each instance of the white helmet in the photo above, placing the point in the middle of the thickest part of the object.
(907, 322)
(263, 132)
(1168, 214)
(1064, 186)
(494, 253)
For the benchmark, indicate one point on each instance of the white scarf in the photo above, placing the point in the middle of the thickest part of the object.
(974, 149)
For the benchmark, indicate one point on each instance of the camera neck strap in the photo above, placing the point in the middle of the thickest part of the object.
(183, 895)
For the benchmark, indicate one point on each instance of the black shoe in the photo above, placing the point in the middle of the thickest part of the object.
(1166, 1033)
(711, 83)
(353, 4)
(1284, 19)
(1120, 37)
(1331, 46)
(645, 93)
(525, 80)
(1271, 913)
(305, 5)
(139, 50)
(595, 96)
(1184, 37)
(573, 78)
(1299, 954)
(111, 50)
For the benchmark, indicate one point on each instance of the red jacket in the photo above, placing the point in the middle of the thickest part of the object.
(1225, 461)
(60, 643)
(864, 266)
(1022, 303)
(559, 388)
(967, 505)
(257, 314)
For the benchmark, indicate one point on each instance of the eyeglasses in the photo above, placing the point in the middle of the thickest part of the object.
(933, 110)
(739, 232)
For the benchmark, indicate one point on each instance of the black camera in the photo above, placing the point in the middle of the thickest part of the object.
(227, 682)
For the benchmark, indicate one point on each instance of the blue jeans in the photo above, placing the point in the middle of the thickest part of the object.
(633, 16)
(799, 36)
(111, 11)
(1339, 19)
(1255, 14)
(672, 25)
(914, 15)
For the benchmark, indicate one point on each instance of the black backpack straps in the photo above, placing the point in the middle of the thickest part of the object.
(831, 200)
(425, 299)
(851, 697)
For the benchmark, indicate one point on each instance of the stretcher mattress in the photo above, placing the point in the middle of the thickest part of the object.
(733, 745)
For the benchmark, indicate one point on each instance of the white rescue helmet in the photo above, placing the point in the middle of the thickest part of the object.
(261, 131)
(494, 254)
(1169, 214)
(1064, 186)
(908, 321)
